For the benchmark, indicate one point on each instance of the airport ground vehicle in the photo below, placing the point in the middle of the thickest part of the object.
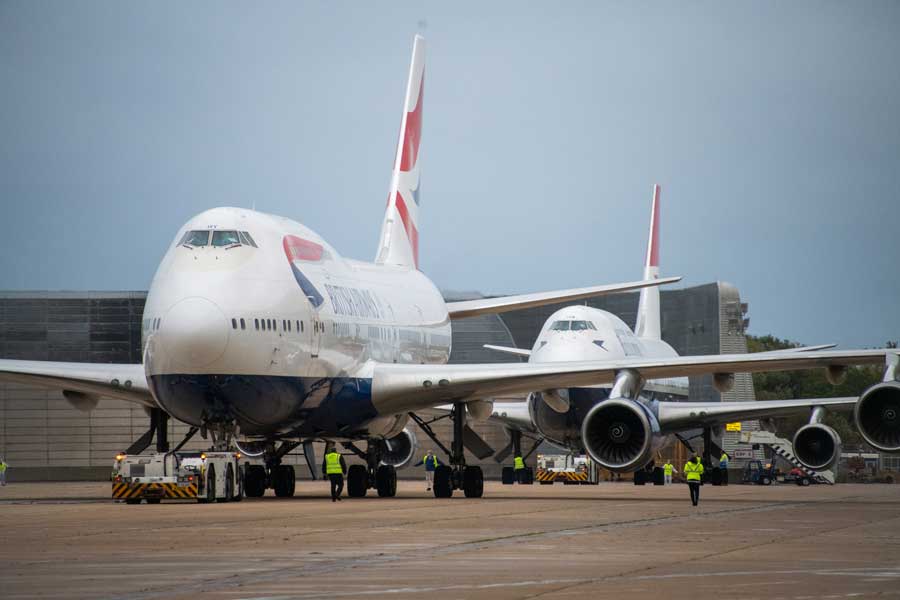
(202, 476)
(756, 473)
(798, 476)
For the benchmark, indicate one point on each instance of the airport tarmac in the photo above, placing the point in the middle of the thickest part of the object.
(67, 540)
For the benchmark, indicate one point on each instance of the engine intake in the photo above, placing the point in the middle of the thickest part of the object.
(877, 415)
(618, 435)
(817, 446)
(399, 450)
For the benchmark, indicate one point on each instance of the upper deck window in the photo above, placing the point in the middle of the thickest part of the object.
(195, 238)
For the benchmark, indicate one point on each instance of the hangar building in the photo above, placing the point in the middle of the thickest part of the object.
(43, 437)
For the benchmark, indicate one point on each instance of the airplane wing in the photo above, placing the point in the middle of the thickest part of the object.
(801, 349)
(678, 416)
(91, 380)
(483, 306)
(398, 388)
(508, 350)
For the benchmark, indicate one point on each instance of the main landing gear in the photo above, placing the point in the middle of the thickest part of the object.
(279, 477)
(360, 478)
(457, 475)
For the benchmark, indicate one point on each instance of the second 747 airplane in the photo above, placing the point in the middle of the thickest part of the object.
(255, 328)
(622, 428)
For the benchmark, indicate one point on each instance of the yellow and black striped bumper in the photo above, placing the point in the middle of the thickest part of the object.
(564, 476)
(131, 491)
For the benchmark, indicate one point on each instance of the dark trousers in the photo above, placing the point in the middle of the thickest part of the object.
(337, 484)
(695, 491)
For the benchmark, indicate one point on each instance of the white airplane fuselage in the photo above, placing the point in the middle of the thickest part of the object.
(583, 333)
(283, 336)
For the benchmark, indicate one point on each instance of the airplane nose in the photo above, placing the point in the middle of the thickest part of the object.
(194, 332)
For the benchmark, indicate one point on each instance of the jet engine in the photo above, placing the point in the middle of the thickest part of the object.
(619, 434)
(877, 415)
(817, 446)
(399, 450)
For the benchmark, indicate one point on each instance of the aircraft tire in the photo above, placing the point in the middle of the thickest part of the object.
(508, 476)
(284, 481)
(473, 482)
(357, 481)
(386, 481)
(443, 482)
(255, 481)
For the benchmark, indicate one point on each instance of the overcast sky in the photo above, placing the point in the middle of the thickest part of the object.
(774, 129)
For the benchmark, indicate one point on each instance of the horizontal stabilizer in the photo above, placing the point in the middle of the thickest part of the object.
(508, 350)
(501, 304)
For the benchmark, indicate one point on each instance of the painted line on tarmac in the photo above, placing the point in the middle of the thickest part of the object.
(856, 572)
(267, 576)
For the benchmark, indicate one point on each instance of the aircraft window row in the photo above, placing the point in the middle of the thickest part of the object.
(572, 325)
(217, 238)
(269, 325)
(152, 324)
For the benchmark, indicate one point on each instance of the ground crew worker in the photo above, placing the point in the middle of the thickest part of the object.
(334, 468)
(668, 469)
(693, 470)
(723, 468)
(519, 467)
(3, 466)
(431, 463)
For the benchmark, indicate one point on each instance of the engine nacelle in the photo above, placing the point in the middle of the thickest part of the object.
(480, 410)
(723, 382)
(251, 448)
(619, 434)
(399, 450)
(877, 414)
(81, 401)
(817, 446)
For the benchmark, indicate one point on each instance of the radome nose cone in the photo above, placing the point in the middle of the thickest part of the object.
(194, 332)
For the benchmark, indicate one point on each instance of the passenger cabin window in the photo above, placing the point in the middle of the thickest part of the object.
(195, 238)
(225, 238)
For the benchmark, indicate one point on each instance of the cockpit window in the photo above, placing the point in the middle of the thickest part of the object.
(225, 238)
(572, 325)
(246, 239)
(195, 238)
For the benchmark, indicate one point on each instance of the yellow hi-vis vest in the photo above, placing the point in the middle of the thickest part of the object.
(667, 468)
(519, 463)
(2, 467)
(333, 464)
(693, 471)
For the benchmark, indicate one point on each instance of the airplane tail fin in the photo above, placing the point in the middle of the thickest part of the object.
(399, 242)
(648, 319)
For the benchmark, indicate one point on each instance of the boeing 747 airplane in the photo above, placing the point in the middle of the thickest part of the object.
(256, 330)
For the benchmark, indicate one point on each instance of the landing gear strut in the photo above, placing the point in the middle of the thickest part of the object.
(373, 474)
(159, 427)
(457, 475)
